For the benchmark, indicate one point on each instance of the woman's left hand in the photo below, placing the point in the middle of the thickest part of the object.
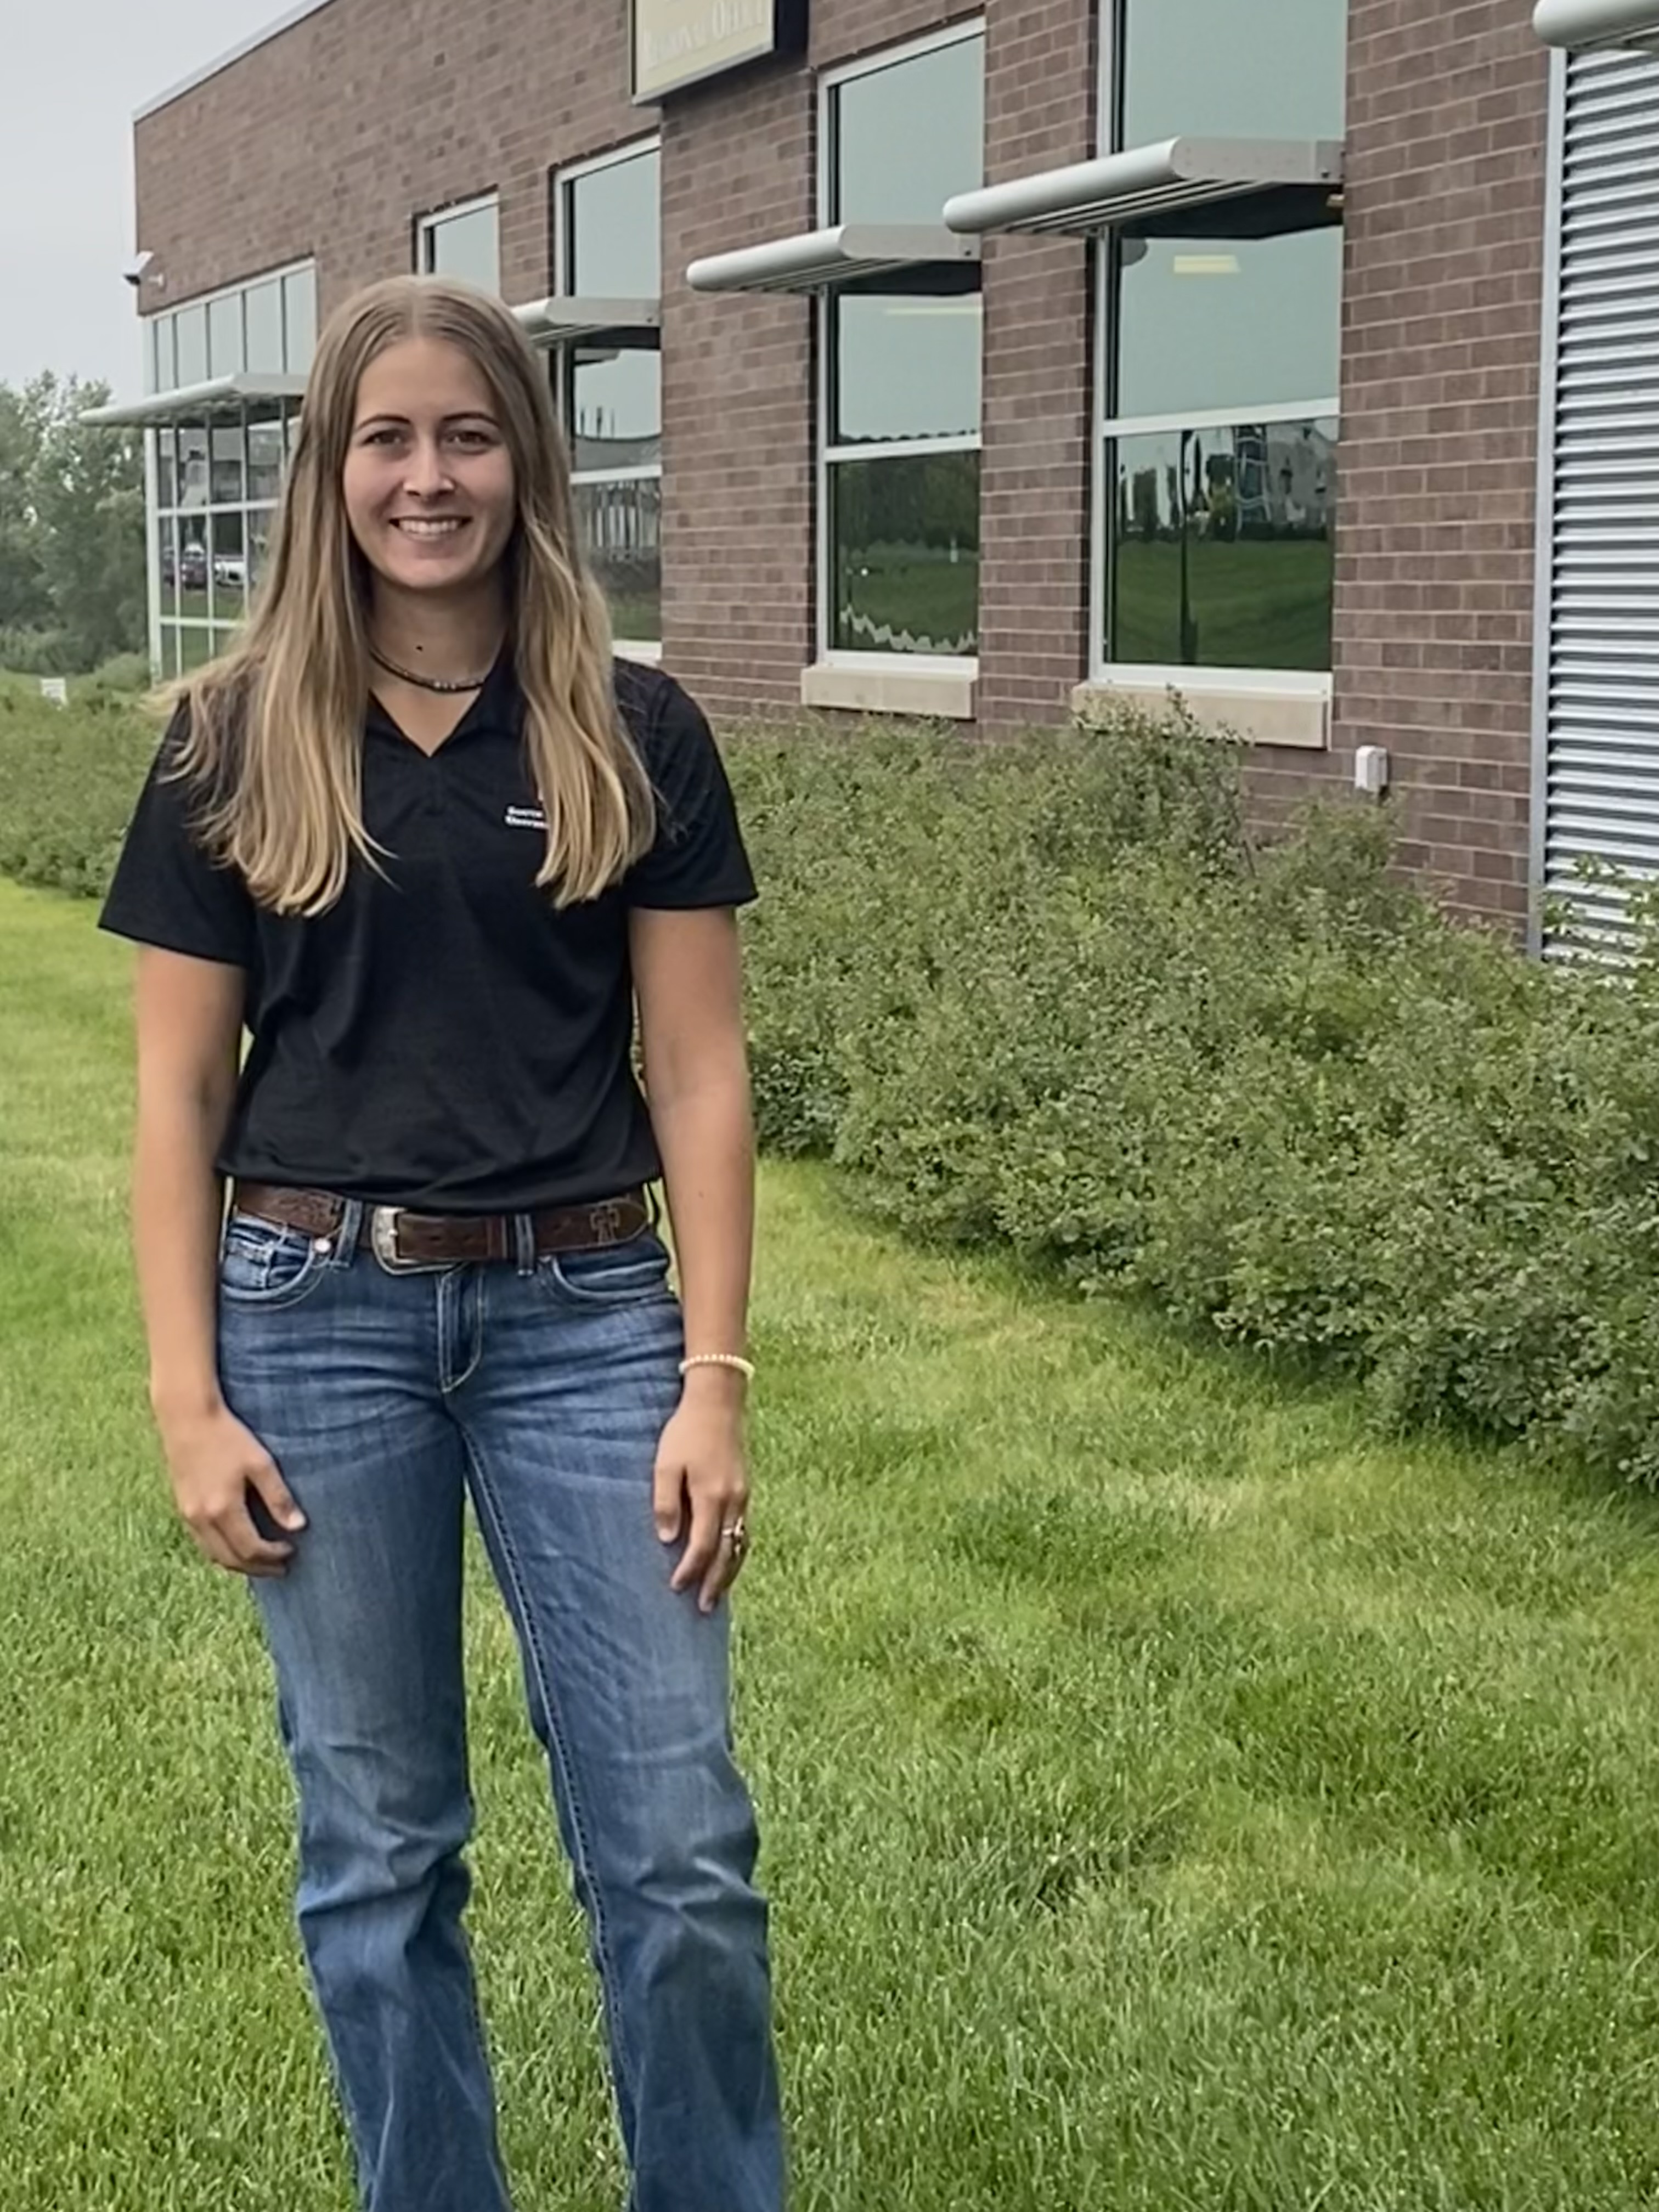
(701, 1477)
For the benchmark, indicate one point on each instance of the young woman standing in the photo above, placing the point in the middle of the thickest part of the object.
(424, 839)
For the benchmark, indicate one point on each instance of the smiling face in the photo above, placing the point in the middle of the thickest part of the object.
(429, 482)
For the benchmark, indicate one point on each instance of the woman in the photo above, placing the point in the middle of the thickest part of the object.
(429, 843)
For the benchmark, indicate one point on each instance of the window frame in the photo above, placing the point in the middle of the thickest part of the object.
(825, 456)
(564, 364)
(1107, 428)
(428, 225)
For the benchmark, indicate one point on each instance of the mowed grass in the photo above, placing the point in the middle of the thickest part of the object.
(1175, 1800)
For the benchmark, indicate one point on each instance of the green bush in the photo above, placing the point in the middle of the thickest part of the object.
(69, 779)
(1046, 994)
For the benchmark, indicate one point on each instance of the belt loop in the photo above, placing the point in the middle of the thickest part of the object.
(524, 1243)
(654, 1204)
(347, 1235)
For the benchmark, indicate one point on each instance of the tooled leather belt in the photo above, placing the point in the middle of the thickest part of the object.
(399, 1238)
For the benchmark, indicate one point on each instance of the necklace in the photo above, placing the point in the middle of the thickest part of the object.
(428, 683)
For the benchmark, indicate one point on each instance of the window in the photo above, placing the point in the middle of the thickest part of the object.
(218, 475)
(465, 243)
(267, 328)
(900, 409)
(1219, 426)
(608, 246)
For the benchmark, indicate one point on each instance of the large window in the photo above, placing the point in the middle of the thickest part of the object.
(1220, 381)
(901, 402)
(268, 327)
(216, 475)
(463, 242)
(608, 246)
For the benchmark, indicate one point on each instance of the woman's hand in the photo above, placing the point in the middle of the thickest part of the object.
(215, 1463)
(700, 1475)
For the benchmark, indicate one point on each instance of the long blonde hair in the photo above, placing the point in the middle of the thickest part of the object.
(274, 725)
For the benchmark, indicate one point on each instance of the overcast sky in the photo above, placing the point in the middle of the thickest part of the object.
(75, 71)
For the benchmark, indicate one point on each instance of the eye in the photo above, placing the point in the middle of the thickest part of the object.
(474, 440)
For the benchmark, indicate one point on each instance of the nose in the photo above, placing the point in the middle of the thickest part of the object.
(425, 474)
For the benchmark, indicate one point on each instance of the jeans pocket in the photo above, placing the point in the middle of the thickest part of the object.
(262, 1264)
(632, 1273)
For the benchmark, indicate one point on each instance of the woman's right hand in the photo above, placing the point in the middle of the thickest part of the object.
(218, 1467)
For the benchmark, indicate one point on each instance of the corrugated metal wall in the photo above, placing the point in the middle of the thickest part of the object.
(1599, 786)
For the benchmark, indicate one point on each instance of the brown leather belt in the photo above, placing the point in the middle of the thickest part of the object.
(401, 1240)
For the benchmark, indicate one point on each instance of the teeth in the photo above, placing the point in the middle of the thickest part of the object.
(419, 529)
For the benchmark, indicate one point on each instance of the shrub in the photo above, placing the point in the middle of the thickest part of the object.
(1046, 994)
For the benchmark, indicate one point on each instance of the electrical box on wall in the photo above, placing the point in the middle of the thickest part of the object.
(1371, 770)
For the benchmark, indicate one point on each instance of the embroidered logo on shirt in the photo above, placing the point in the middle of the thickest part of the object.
(525, 818)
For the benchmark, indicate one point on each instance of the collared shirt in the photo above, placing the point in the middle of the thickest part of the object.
(445, 1038)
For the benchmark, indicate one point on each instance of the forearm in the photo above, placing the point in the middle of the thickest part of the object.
(706, 1136)
(176, 1203)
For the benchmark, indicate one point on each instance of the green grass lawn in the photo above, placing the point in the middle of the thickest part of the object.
(1176, 1801)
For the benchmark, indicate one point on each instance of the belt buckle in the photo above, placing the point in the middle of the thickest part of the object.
(607, 1217)
(383, 1240)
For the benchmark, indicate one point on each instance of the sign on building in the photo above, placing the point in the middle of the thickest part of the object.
(678, 43)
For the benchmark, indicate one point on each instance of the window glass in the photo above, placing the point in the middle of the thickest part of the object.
(616, 412)
(613, 230)
(466, 247)
(264, 329)
(1233, 69)
(192, 343)
(228, 566)
(164, 330)
(300, 320)
(226, 356)
(167, 564)
(192, 464)
(229, 481)
(622, 532)
(908, 136)
(1221, 549)
(906, 368)
(265, 453)
(1207, 325)
(904, 538)
(167, 491)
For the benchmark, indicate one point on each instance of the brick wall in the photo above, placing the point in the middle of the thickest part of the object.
(1041, 73)
(1447, 107)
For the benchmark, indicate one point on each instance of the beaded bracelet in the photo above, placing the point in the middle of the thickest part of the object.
(744, 1367)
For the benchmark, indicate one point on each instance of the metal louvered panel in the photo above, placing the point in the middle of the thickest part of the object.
(1601, 781)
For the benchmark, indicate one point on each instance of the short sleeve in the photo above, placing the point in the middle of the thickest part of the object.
(698, 859)
(166, 891)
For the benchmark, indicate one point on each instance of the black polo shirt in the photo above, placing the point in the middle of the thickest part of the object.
(445, 1038)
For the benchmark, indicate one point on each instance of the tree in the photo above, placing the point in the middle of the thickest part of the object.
(71, 521)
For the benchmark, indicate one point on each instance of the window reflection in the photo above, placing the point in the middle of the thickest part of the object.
(192, 339)
(1221, 552)
(298, 320)
(904, 538)
(1219, 69)
(906, 368)
(464, 246)
(228, 482)
(908, 137)
(622, 530)
(616, 409)
(225, 353)
(612, 238)
(192, 464)
(265, 456)
(1239, 323)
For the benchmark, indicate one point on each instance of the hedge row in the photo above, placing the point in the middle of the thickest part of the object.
(1045, 995)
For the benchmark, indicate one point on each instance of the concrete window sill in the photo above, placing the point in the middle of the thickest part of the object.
(929, 690)
(1297, 717)
(649, 655)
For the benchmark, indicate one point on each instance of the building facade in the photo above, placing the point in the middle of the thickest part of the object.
(968, 362)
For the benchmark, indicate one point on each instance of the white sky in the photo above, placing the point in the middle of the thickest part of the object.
(74, 71)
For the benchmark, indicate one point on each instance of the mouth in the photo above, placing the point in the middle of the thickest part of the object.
(429, 530)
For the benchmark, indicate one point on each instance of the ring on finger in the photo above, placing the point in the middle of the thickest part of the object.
(737, 1535)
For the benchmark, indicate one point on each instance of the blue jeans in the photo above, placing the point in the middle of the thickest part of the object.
(541, 1390)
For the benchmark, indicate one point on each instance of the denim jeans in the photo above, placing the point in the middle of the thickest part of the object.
(542, 1390)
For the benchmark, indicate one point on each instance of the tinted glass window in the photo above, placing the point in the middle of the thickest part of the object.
(1205, 324)
(907, 136)
(612, 230)
(906, 368)
(904, 537)
(1234, 69)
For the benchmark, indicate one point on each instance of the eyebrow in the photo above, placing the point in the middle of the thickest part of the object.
(402, 422)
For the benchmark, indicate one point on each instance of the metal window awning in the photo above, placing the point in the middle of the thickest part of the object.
(569, 318)
(1266, 184)
(221, 395)
(925, 255)
(1584, 23)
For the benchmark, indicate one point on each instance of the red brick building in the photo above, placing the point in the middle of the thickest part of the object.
(960, 362)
